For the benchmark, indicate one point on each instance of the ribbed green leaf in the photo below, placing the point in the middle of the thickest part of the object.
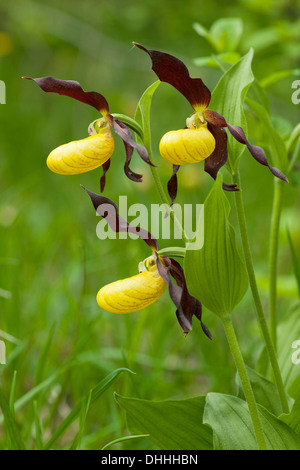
(288, 351)
(142, 114)
(228, 98)
(216, 274)
(293, 418)
(265, 392)
(230, 420)
(295, 260)
(271, 138)
(171, 425)
(288, 334)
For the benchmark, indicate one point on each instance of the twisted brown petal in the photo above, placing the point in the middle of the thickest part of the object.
(109, 210)
(124, 132)
(172, 184)
(219, 156)
(237, 132)
(171, 70)
(73, 90)
(127, 170)
(105, 168)
(256, 152)
(186, 304)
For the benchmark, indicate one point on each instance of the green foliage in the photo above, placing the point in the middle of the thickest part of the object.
(230, 420)
(175, 425)
(228, 99)
(216, 273)
(11, 427)
(59, 345)
(83, 406)
(224, 34)
(265, 392)
(293, 418)
(270, 137)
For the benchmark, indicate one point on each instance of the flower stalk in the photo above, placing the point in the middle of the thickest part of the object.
(273, 255)
(247, 388)
(257, 301)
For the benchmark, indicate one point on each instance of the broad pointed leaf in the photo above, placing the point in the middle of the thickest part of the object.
(228, 98)
(216, 273)
(265, 392)
(232, 427)
(171, 424)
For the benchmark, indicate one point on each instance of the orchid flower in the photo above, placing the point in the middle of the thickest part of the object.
(155, 273)
(204, 137)
(95, 150)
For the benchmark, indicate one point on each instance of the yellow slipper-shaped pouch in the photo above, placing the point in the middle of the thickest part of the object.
(133, 293)
(83, 155)
(187, 145)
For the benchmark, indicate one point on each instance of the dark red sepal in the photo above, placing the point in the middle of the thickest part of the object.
(256, 152)
(73, 90)
(124, 132)
(105, 168)
(109, 210)
(218, 158)
(171, 70)
(215, 118)
(127, 170)
(237, 132)
(172, 184)
(187, 306)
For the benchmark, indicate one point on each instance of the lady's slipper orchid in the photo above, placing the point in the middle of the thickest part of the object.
(143, 289)
(134, 293)
(204, 137)
(94, 151)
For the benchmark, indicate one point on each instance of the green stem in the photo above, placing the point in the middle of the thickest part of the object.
(130, 123)
(176, 251)
(255, 294)
(158, 183)
(274, 237)
(248, 392)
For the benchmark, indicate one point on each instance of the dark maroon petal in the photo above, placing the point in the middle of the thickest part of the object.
(256, 152)
(215, 118)
(127, 170)
(230, 187)
(171, 70)
(74, 90)
(219, 156)
(237, 132)
(176, 293)
(109, 210)
(105, 168)
(186, 305)
(124, 132)
(172, 184)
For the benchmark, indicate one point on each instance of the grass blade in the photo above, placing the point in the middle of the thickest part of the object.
(96, 392)
(13, 434)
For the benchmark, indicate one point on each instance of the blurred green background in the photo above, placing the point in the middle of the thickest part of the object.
(51, 262)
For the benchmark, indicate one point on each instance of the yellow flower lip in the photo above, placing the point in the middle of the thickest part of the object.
(189, 145)
(133, 293)
(83, 155)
